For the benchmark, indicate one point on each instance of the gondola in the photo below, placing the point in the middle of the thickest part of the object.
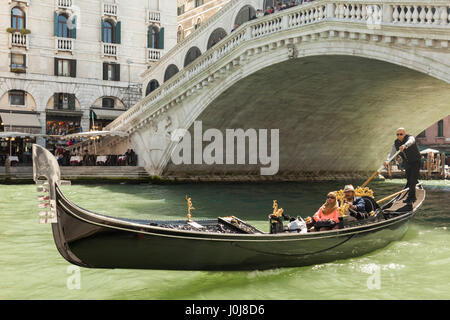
(93, 240)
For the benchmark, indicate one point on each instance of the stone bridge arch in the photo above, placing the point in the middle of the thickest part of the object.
(318, 42)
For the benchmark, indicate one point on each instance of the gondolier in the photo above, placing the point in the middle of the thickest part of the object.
(411, 157)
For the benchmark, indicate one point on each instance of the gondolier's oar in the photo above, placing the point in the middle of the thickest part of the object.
(392, 196)
(379, 170)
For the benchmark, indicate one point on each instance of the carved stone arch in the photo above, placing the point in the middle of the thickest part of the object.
(152, 85)
(245, 13)
(171, 70)
(216, 36)
(192, 54)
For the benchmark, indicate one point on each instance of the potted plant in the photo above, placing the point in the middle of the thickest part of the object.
(18, 70)
(10, 30)
(24, 31)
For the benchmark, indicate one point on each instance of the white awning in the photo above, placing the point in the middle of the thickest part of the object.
(27, 120)
(10, 134)
(426, 151)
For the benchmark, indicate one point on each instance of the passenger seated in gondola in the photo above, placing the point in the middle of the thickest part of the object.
(357, 205)
(327, 217)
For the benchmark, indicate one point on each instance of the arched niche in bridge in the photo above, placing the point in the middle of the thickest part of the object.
(151, 86)
(192, 54)
(216, 36)
(170, 72)
(246, 13)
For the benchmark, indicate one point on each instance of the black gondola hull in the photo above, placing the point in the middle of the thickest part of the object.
(96, 241)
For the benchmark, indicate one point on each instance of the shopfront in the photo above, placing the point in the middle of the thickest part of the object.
(61, 124)
(18, 132)
(101, 117)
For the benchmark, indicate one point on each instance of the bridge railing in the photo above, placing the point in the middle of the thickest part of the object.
(417, 13)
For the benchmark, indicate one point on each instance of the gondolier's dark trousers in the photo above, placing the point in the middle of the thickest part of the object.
(412, 177)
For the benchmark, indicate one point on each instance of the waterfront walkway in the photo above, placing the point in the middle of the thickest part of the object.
(97, 173)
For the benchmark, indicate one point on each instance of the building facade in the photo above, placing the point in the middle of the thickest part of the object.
(192, 13)
(437, 136)
(75, 65)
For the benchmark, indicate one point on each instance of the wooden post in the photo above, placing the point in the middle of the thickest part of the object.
(390, 170)
(443, 165)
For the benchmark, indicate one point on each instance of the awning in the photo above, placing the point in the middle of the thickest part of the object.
(94, 134)
(10, 134)
(21, 122)
(426, 151)
(107, 114)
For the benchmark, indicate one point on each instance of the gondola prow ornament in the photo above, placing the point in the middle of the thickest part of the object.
(190, 207)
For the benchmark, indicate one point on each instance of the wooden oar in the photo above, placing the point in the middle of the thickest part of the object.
(379, 170)
(392, 196)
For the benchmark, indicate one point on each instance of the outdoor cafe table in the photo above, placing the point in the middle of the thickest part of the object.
(75, 160)
(101, 159)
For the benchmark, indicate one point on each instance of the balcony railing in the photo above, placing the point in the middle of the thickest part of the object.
(153, 54)
(110, 50)
(27, 2)
(110, 9)
(153, 16)
(65, 4)
(19, 40)
(64, 44)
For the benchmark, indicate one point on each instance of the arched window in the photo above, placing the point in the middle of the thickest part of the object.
(108, 32)
(197, 24)
(152, 86)
(191, 55)
(153, 36)
(63, 29)
(17, 18)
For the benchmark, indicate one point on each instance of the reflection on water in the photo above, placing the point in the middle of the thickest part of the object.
(413, 268)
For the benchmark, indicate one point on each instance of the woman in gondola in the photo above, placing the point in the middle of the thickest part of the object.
(327, 217)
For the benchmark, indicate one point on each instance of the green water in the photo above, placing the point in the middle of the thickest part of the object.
(417, 267)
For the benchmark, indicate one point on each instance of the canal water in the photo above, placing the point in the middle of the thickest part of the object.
(416, 267)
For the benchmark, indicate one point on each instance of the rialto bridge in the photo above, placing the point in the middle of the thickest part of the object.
(335, 77)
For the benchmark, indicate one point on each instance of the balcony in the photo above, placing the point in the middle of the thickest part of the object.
(153, 16)
(17, 39)
(154, 55)
(27, 3)
(110, 50)
(65, 44)
(110, 9)
(64, 4)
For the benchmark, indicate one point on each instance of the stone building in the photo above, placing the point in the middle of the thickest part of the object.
(75, 65)
(437, 135)
(192, 13)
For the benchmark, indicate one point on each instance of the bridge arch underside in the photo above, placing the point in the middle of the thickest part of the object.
(335, 114)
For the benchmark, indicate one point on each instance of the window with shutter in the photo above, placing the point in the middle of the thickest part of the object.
(73, 68)
(105, 71)
(71, 101)
(117, 72)
(161, 39)
(73, 30)
(117, 33)
(56, 67)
